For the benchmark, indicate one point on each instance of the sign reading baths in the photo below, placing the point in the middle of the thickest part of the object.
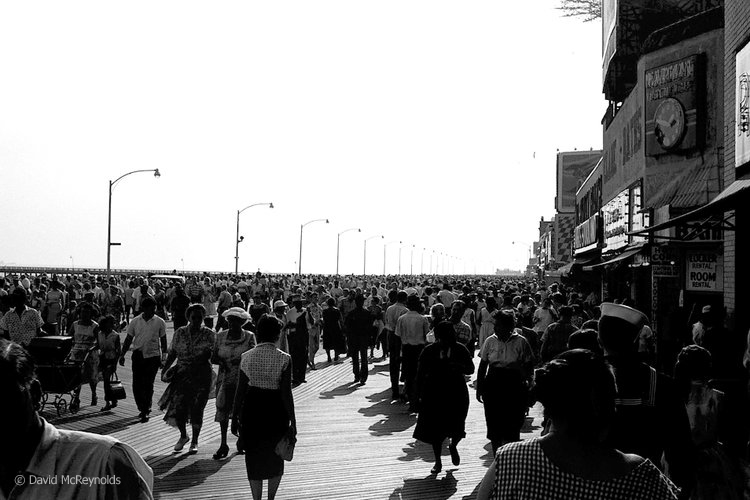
(671, 101)
(704, 272)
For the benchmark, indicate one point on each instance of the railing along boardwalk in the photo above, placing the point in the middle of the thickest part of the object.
(353, 443)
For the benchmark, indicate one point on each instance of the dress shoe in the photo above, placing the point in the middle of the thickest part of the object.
(222, 452)
(181, 443)
(455, 457)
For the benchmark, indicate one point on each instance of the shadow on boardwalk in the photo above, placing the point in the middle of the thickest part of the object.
(184, 478)
(395, 415)
(342, 390)
(436, 489)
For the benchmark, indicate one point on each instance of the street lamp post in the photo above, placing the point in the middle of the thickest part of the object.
(72, 264)
(239, 239)
(384, 248)
(399, 255)
(338, 243)
(525, 243)
(364, 271)
(157, 174)
(301, 227)
(421, 261)
(411, 261)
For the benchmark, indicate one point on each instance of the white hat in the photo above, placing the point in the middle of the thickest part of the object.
(632, 316)
(279, 303)
(237, 312)
(706, 309)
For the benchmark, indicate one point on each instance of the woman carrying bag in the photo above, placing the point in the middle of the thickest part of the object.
(264, 409)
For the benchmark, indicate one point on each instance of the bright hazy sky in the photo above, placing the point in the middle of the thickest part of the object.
(434, 123)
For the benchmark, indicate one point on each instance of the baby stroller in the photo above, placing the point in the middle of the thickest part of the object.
(59, 367)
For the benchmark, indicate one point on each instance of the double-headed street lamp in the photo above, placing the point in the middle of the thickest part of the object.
(109, 214)
(338, 243)
(385, 246)
(239, 239)
(301, 227)
(364, 271)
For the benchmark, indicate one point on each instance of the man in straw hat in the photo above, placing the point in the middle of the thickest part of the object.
(651, 419)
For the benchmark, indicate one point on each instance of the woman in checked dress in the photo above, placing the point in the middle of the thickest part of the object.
(264, 407)
(571, 462)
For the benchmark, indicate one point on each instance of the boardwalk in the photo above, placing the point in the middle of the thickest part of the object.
(353, 444)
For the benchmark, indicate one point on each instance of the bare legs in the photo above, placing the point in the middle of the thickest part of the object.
(273, 486)
(437, 449)
(256, 487)
(183, 429)
(223, 450)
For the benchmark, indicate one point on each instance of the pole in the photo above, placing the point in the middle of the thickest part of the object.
(411, 262)
(109, 229)
(364, 260)
(338, 244)
(109, 211)
(237, 247)
(421, 262)
(384, 247)
(399, 260)
(299, 269)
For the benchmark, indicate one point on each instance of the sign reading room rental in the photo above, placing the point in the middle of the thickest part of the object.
(704, 272)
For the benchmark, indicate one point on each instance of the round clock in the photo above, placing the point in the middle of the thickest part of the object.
(669, 124)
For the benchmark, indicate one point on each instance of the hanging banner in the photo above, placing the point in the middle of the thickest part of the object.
(742, 102)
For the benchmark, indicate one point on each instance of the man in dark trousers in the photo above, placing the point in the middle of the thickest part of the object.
(358, 325)
(651, 418)
(148, 335)
(394, 311)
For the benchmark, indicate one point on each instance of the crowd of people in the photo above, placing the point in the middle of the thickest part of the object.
(614, 418)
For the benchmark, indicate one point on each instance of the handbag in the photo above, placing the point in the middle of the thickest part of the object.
(116, 389)
(285, 447)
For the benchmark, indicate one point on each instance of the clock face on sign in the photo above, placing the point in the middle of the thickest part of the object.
(669, 124)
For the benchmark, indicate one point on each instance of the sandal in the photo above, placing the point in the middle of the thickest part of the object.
(222, 452)
(436, 469)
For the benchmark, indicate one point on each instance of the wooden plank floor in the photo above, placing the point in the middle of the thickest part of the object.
(353, 444)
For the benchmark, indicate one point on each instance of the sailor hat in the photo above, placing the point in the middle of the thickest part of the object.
(628, 314)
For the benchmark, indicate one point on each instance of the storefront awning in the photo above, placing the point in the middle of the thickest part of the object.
(623, 256)
(579, 262)
(725, 201)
